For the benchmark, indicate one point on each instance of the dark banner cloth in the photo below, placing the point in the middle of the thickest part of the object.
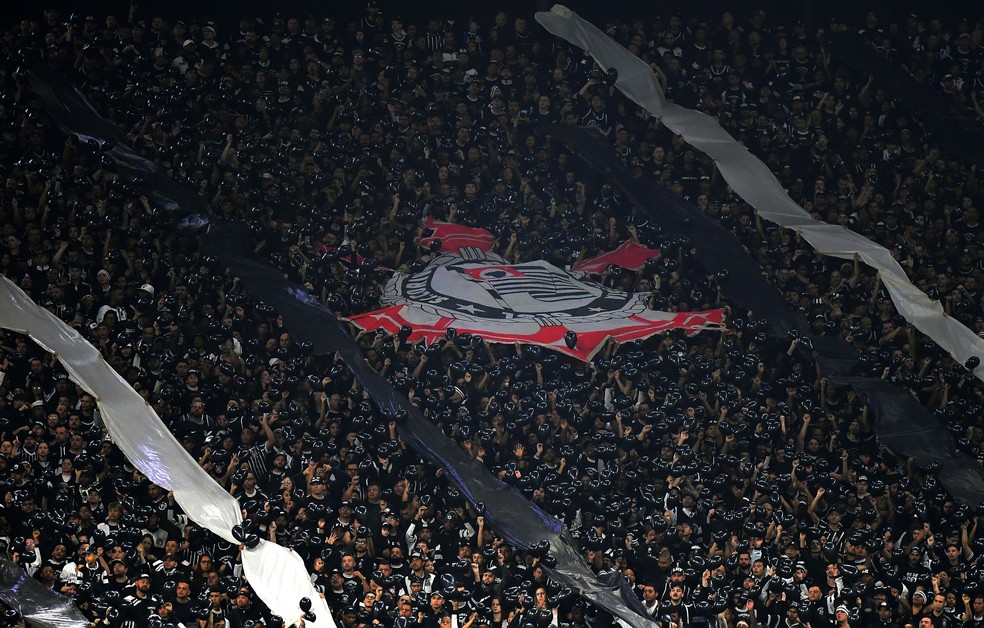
(73, 114)
(36, 603)
(959, 133)
(901, 423)
(908, 428)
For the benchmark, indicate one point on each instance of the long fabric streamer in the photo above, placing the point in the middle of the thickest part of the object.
(753, 181)
(35, 602)
(907, 427)
(275, 573)
(73, 113)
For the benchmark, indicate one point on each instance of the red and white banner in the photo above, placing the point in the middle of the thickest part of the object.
(629, 255)
(532, 303)
(454, 237)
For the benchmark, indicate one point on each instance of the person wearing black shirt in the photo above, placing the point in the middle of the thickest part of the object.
(183, 605)
(139, 604)
(914, 573)
(675, 604)
(243, 609)
(884, 617)
(168, 569)
(335, 589)
(372, 24)
(973, 616)
(596, 115)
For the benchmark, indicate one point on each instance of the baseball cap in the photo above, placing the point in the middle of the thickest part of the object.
(148, 288)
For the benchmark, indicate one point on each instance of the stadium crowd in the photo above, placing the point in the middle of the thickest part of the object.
(720, 473)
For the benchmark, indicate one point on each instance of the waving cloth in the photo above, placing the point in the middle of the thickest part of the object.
(36, 603)
(452, 238)
(276, 574)
(628, 255)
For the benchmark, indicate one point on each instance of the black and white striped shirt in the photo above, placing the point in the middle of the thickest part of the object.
(434, 41)
(258, 459)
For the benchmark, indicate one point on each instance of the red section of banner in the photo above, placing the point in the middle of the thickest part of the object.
(454, 237)
(629, 255)
(391, 319)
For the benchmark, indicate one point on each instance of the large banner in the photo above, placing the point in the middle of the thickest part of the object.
(532, 303)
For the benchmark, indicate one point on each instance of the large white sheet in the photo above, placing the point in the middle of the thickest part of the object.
(754, 182)
(276, 574)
